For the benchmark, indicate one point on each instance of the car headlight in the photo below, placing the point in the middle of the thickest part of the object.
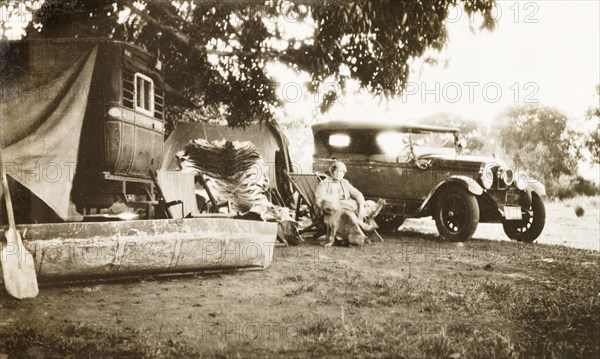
(521, 180)
(508, 176)
(487, 175)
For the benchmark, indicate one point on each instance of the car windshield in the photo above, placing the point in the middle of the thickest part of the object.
(394, 143)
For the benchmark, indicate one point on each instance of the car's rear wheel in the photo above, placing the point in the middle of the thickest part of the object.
(531, 226)
(389, 223)
(456, 214)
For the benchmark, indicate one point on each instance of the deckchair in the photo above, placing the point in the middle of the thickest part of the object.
(176, 193)
(306, 184)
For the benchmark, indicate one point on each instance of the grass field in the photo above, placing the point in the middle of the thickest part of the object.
(413, 296)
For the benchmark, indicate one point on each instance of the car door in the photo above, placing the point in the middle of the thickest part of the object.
(395, 175)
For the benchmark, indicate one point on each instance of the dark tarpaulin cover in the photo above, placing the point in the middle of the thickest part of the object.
(41, 117)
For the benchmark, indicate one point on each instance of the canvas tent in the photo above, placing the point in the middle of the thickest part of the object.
(268, 139)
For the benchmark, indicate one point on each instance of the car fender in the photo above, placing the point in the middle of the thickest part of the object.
(466, 182)
(537, 187)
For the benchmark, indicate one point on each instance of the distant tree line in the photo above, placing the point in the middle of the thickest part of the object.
(538, 139)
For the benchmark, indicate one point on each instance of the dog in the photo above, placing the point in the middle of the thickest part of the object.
(342, 222)
(287, 227)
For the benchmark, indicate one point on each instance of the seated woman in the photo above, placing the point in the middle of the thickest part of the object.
(350, 199)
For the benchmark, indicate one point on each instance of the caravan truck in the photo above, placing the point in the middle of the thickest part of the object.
(82, 124)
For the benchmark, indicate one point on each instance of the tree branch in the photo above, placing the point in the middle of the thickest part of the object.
(201, 49)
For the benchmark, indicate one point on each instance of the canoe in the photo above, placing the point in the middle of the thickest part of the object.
(99, 250)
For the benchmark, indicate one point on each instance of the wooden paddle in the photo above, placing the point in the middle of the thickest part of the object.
(18, 268)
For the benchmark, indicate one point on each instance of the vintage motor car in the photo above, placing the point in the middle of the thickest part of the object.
(422, 171)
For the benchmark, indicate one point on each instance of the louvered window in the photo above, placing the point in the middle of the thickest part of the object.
(128, 89)
(159, 103)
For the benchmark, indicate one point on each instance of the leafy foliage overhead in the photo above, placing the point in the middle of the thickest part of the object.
(216, 52)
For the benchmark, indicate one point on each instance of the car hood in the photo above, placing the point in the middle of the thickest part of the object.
(442, 161)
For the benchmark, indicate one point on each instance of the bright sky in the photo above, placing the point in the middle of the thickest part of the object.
(545, 51)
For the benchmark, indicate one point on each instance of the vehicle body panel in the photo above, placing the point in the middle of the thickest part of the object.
(410, 184)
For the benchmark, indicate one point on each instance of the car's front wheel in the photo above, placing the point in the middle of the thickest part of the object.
(456, 214)
(529, 228)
